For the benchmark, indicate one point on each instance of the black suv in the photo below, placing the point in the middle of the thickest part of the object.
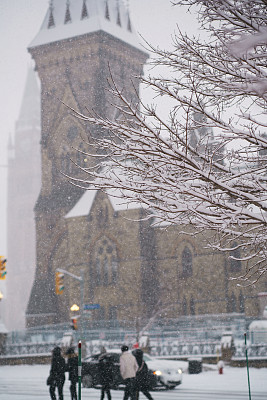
(91, 376)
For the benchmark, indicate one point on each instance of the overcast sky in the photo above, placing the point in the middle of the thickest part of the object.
(20, 21)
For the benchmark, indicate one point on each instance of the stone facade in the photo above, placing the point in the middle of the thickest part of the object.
(73, 72)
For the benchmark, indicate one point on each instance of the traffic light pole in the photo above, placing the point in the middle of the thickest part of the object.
(81, 280)
(79, 370)
(82, 303)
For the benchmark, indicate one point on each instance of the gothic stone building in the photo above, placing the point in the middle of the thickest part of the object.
(129, 267)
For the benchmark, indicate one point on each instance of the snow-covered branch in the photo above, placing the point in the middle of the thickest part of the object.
(205, 162)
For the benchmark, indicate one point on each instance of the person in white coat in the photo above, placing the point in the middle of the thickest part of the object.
(128, 369)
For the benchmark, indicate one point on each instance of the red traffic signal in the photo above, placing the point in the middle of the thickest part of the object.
(74, 324)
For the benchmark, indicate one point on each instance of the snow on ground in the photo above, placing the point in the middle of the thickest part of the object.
(29, 382)
(234, 379)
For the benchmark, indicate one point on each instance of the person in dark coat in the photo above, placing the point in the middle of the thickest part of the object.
(105, 374)
(142, 379)
(56, 377)
(72, 368)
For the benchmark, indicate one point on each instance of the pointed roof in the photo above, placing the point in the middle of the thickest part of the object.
(84, 10)
(84, 204)
(67, 14)
(30, 111)
(66, 19)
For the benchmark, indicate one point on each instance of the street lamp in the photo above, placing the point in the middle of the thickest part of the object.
(74, 307)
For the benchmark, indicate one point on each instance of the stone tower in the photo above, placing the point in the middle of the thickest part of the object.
(79, 43)
(24, 181)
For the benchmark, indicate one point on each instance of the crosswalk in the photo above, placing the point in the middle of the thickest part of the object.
(29, 383)
(183, 394)
(35, 392)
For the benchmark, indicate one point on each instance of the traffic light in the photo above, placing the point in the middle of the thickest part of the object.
(2, 268)
(59, 282)
(74, 324)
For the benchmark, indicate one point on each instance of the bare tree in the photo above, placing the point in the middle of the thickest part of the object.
(205, 162)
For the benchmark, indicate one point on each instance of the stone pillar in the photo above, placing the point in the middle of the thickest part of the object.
(262, 304)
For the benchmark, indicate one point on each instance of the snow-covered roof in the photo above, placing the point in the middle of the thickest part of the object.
(84, 204)
(66, 19)
(226, 340)
(258, 325)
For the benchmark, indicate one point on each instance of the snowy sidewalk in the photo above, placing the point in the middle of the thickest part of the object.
(29, 383)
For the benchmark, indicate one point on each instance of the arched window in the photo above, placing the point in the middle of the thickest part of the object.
(106, 262)
(114, 269)
(235, 255)
(105, 272)
(66, 163)
(241, 302)
(192, 306)
(186, 262)
(184, 306)
(97, 272)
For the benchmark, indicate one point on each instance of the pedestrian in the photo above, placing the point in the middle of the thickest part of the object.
(72, 368)
(142, 377)
(128, 369)
(56, 377)
(105, 374)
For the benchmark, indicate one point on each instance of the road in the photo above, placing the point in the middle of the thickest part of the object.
(29, 383)
(20, 392)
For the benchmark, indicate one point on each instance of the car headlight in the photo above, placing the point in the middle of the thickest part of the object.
(180, 371)
(158, 373)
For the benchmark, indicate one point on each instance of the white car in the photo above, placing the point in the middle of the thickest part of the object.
(169, 373)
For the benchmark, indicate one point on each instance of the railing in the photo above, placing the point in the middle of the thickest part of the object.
(183, 349)
(186, 336)
(169, 348)
(30, 348)
(254, 351)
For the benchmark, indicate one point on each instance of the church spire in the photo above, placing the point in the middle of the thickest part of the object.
(107, 11)
(71, 18)
(51, 21)
(67, 15)
(84, 10)
(129, 24)
(118, 14)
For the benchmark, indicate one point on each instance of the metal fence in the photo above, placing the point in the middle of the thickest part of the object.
(167, 348)
(183, 337)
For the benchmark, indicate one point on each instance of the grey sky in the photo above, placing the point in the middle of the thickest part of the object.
(20, 21)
